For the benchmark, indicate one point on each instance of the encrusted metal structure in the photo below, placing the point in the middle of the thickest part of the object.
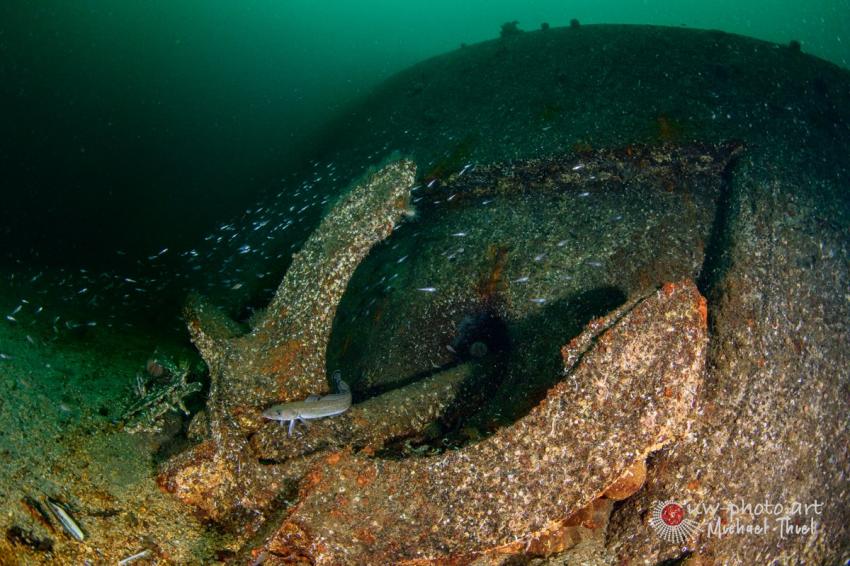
(282, 358)
(630, 384)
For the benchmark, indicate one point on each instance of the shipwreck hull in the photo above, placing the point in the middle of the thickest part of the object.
(527, 230)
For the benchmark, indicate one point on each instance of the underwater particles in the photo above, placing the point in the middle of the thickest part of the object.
(241, 256)
(236, 255)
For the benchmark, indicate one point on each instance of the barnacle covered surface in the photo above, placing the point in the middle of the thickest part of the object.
(766, 240)
(630, 393)
(520, 255)
(282, 358)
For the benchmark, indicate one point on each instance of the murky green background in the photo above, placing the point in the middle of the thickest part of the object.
(134, 126)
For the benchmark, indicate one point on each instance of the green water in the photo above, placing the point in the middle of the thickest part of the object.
(140, 125)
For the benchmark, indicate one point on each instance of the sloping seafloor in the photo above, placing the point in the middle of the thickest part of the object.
(502, 279)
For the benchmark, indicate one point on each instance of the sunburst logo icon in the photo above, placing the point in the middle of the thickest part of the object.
(670, 520)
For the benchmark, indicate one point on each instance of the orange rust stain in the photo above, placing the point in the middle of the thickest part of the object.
(333, 459)
(668, 289)
(668, 391)
(313, 478)
(491, 282)
(359, 420)
(364, 535)
(366, 477)
(702, 308)
(628, 483)
(693, 485)
(579, 517)
(282, 358)
(289, 541)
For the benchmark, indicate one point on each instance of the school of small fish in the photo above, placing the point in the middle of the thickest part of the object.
(241, 255)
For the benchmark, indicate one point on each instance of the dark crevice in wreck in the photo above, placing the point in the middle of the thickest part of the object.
(539, 341)
(677, 561)
(483, 336)
(278, 508)
(509, 382)
(716, 261)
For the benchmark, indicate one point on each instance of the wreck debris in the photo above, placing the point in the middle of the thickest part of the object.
(283, 357)
(156, 399)
(629, 394)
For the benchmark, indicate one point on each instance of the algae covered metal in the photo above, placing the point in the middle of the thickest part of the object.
(522, 484)
(282, 358)
(629, 388)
